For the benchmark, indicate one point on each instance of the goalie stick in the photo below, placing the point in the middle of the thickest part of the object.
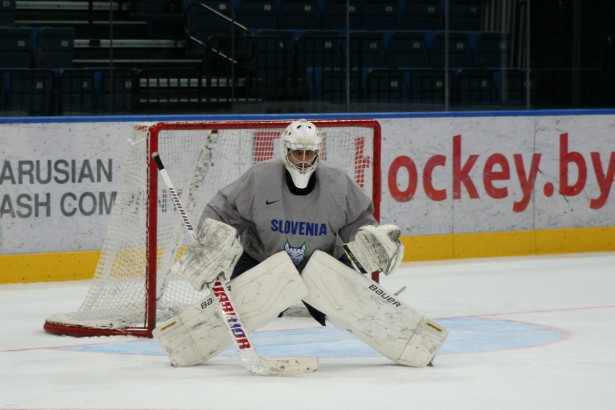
(248, 354)
(354, 259)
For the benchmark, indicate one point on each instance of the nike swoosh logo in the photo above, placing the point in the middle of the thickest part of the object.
(271, 202)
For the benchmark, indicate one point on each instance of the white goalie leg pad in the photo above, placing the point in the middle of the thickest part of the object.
(371, 313)
(259, 294)
(215, 251)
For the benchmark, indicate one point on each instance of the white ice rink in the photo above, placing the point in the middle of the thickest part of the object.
(525, 333)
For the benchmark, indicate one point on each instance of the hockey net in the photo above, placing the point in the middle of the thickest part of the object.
(131, 288)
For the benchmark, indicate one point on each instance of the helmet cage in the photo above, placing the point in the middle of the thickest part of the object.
(304, 156)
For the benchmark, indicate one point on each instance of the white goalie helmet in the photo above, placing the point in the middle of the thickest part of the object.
(301, 145)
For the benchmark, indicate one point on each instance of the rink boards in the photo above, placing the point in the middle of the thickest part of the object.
(458, 184)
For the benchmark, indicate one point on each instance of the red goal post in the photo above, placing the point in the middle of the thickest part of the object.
(131, 290)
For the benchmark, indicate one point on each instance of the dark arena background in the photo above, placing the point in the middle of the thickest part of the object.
(291, 56)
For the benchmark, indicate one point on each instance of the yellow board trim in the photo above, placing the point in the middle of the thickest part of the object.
(45, 267)
(61, 266)
(513, 243)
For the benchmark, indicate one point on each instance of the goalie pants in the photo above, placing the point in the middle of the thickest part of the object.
(247, 262)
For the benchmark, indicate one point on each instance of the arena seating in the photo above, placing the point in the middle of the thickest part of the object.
(228, 51)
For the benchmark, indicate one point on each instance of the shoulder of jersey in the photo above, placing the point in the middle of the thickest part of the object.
(329, 169)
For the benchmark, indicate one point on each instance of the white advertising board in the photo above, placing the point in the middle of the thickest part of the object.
(502, 173)
(57, 184)
(440, 175)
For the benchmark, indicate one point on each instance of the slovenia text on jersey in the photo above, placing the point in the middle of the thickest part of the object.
(298, 227)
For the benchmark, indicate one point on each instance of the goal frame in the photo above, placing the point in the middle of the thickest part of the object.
(152, 218)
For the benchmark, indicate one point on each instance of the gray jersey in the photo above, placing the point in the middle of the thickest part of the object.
(270, 218)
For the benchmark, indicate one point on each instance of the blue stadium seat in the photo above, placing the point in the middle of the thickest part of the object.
(459, 50)
(387, 85)
(315, 50)
(333, 81)
(492, 87)
(423, 15)
(334, 15)
(272, 66)
(7, 12)
(117, 91)
(26, 92)
(408, 49)
(258, 14)
(319, 48)
(158, 10)
(84, 91)
(493, 49)
(427, 86)
(299, 15)
(465, 15)
(15, 47)
(475, 87)
(367, 49)
(53, 47)
(381, 15)
(77, 93)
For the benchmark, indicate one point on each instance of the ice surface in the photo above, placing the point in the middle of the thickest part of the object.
(526, 333)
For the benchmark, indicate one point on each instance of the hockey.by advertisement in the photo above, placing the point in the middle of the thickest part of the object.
(462, 175)
(510, 171)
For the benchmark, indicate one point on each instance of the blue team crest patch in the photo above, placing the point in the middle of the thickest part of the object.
(297, 255)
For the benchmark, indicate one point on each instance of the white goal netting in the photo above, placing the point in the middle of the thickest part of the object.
(131, 289)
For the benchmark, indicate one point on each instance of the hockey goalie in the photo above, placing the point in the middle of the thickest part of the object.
(295, 230)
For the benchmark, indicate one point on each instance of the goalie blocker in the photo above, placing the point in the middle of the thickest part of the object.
(371, 313)
(215, 252)
(376, 248)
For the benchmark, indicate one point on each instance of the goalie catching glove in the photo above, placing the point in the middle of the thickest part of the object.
(214, 252)
(377, 248)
